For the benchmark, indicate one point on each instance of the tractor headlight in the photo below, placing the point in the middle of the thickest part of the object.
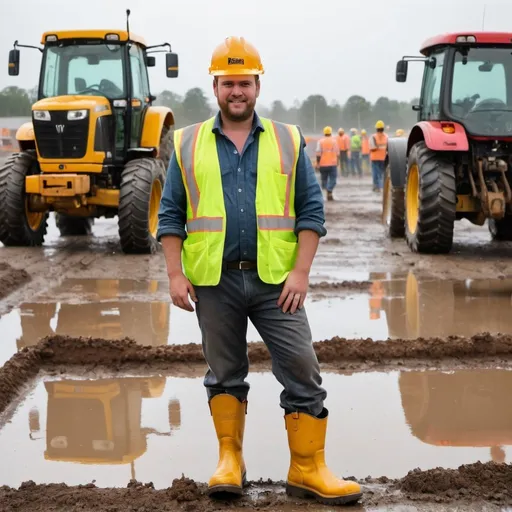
(76, 115)
(103, 446)
(42, 115)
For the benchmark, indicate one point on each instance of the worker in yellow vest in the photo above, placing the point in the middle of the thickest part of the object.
(378, 155)
(327, 161)
(240, 220)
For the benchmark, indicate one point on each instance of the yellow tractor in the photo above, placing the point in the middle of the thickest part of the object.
(96, 146)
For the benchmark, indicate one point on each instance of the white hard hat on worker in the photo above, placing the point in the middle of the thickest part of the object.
(236, 66)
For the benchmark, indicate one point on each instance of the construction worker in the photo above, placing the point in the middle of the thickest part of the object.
(344, 147)
(399, 132)
(240, 220)
(327, 161)
(355, 153)
(365, 151)
(378, 153)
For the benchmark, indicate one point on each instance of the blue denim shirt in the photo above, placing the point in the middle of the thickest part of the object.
(239, 186)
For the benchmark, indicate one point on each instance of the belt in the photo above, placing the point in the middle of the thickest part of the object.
(239, 265)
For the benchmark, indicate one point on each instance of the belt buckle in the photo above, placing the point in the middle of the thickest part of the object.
(241, 265)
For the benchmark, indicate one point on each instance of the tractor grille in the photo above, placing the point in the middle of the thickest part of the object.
(60, 138)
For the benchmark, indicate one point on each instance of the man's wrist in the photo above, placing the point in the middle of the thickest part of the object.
(175, 273)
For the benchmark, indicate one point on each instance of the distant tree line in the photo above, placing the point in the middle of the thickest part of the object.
(311, 115)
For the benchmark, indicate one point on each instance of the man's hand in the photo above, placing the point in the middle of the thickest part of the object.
(180, 288)
(294, 291)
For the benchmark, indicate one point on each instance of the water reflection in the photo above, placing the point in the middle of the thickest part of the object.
(99, 421)
(428, 308)
(463, 408)
(113, 312)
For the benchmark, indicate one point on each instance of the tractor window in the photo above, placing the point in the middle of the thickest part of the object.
(432, 87)
(138, 72)
(83, 69)
(481, 95)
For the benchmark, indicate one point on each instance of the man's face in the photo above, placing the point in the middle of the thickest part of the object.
(236, 96)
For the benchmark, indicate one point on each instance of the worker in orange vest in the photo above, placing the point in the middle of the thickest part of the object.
(378, 154)
(327, 161)
(344, 147)
(365, 151)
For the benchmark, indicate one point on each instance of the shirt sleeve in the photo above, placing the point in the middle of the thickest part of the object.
(309, 203)
(172, 216)
(318, 147)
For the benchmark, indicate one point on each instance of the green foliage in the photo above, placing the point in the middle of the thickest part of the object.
(311, 115)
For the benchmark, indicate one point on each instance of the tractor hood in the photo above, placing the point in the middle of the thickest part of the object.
(98, 103)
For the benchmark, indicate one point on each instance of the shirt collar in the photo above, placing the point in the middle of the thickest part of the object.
(257, 125)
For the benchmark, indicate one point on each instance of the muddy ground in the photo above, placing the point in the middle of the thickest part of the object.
(354, 254)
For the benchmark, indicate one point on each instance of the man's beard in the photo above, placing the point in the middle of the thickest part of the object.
(239, 116)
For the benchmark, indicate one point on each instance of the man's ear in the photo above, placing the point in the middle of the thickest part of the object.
(215, 86)
(258, 87)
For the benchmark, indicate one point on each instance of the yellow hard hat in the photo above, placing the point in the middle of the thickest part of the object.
(327, 130)
(399, 132)
(235, 56)
(380, 125)
(341, 130)
(363, 132)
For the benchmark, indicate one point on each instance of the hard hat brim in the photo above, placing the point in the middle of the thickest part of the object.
(234, 72)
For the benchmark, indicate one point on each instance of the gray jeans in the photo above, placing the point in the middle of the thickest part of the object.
(223, 312)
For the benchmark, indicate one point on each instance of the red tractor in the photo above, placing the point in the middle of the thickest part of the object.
(455, 164)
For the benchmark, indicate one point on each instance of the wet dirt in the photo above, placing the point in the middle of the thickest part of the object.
(11, 278)
(343, 285)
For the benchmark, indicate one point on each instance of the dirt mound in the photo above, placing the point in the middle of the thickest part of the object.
(11, 278)
(16, 372)
(343, 285)
(490, 481)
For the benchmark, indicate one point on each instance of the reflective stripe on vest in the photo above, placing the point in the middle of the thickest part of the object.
(328, 152)
(196, 153)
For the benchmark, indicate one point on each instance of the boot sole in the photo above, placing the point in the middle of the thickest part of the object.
(225, 490)
(299, 492)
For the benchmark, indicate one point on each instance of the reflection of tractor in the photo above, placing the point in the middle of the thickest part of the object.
(109, 317)
(96, 145)
(455, 163)
(99, 421)
(463, 408)
(429, 308)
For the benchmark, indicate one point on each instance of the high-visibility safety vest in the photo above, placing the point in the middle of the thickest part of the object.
(328, 152)
(203, 249)
(343, 142)
(378, 147)
(365, 145)
(355, 143)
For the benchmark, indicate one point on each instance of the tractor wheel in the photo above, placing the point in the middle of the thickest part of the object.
(142, 184)
(393, 208)
(18, 225)
(501, 230)
(73, 226)
(166, 145)
(430, 201)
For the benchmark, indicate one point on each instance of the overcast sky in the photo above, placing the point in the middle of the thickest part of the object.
(332, 47)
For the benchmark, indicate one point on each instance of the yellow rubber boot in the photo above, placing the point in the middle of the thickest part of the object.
(229, 419)
(309, 477)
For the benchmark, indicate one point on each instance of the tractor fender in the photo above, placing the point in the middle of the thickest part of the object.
(25, 137)
(25, 132)
(432, 133)
(154, 120)
(397, 160)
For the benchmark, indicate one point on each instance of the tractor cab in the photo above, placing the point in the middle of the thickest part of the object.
(95, 137)
(455, 162)
(467, 80)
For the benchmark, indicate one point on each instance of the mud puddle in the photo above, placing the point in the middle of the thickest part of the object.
(362, 305)
(107, 431)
